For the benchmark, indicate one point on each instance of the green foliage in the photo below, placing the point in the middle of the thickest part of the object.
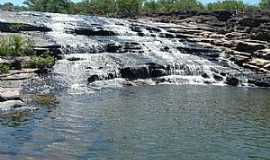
(231, 5)
(265, 4)
(15, 46)
(11, 7)
(128, 8)
(44, 61)
(172, 5)
(4, 68)
(59, 6)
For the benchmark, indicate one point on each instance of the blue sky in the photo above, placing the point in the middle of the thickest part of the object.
(18, 2)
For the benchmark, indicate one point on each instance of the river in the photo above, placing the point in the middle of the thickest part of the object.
(147, 122)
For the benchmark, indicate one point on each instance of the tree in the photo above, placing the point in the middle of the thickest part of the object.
(231, 5)
(265, 4)
(8, 6)
(61, 6)
(129, 8)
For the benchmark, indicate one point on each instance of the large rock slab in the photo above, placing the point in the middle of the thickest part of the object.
(11, 105)
(9, 94)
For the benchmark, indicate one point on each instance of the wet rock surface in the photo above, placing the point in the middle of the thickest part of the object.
(180, 48)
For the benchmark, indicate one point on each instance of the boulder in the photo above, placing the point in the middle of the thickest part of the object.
(93, 78)
(11, 105)
(9, 94)
(135, 72)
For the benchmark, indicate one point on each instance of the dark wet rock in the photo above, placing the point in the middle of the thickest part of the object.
(93, 78)
(113, 47)
(20, 27)
(205, 75)
(260, 80)
(265, 54)
(249, 47)
(232, 81)
(136, 29)
(208, 52)
(152, 29)
(93, 32)
(167, 35)
(217, 77)
(74, 59)
(261, 35)
(134, 72)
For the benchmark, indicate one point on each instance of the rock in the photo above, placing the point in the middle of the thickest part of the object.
(20, 27)
(113, 47)
(233, 81)
(265, 54)
(260, 80)
(263, 36)
(250, 47)
(74, 59)
(259, 62)
(9, 94)
(205, 75)
(93, 32)
(135, 72)
(252, 22)
(217, 77)
(11, 105)
(93, 78)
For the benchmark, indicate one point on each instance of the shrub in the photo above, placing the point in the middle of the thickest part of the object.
(4, 68)
(15, 46)
(45, 61)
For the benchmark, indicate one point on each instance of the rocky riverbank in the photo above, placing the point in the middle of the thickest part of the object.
(219, 48)
(244, 37)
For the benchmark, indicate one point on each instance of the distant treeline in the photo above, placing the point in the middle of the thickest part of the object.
(129, 8)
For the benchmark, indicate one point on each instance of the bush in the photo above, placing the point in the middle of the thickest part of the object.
(15, 46)
(45, 61)
(4, 68)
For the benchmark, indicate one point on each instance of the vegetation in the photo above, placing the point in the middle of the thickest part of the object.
(231, 5)
(265, 4)
(130, 8)
(4, 68)
(136, 7)
(44, 61)
(17, 46)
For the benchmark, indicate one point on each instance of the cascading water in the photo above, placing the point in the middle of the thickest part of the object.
(101, 46)
(107, 52)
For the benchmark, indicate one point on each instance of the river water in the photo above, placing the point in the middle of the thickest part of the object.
(146, 122)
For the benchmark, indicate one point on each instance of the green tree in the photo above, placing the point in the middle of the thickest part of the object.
(60, 6)
(231, 5)
(129, 8)
(265, 4)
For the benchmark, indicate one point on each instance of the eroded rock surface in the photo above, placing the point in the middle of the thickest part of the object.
(184, 48)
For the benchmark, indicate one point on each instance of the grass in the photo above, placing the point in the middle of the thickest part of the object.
(15, 46)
